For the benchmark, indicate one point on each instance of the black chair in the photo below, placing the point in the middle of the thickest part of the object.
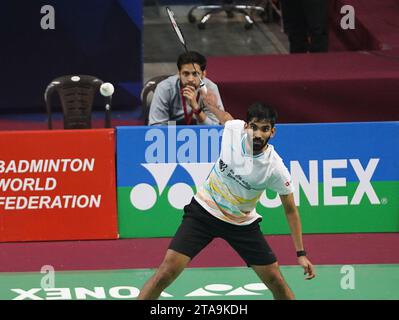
(230, 7)
(77, 96)
(148, 92)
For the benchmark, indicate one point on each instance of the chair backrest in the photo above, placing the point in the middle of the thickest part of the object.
(77, 95)
(148, 92)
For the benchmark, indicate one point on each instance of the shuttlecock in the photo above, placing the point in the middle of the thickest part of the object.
(107, 89)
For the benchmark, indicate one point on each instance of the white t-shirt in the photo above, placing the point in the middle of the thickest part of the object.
(238, 179)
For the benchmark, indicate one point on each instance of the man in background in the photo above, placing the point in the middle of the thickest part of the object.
(306, 23)
(179, 98)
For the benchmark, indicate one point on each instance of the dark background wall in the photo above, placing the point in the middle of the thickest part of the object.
(97, 37)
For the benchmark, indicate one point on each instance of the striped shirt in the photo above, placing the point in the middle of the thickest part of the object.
(238, 179)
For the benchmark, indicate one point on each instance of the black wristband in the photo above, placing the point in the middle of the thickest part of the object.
(301, 253)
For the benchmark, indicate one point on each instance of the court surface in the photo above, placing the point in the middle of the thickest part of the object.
(346, 282)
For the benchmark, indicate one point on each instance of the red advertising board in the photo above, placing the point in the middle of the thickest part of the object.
(57, 185)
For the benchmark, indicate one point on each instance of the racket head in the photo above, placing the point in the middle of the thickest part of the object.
(176, 27)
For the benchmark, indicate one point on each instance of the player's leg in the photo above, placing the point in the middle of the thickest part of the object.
(192, 236)
(172, 265)
(251, 245)
(274, 280)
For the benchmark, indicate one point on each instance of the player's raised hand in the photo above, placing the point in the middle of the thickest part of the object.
(210, 99)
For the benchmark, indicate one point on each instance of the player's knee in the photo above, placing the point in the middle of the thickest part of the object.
(275, 279)
(166, 275)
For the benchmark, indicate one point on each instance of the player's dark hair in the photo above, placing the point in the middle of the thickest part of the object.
(191, 57)
(260, 111)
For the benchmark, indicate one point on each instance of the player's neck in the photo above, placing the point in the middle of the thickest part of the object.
(256, 153)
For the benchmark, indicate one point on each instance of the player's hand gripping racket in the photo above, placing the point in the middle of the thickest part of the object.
(179, 34)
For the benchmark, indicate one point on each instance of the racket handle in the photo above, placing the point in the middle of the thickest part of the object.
(203, 88)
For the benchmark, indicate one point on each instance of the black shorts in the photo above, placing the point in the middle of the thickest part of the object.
(199, 228)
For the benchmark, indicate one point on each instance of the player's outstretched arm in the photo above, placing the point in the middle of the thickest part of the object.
(211, 103)
(294, 223)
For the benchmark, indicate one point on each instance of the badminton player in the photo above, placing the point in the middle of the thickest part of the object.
(224, 206)
(178, 97)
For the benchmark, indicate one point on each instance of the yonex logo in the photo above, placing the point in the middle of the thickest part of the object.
(222, 166)
(310, 184)
(131, 292)
(144, 196)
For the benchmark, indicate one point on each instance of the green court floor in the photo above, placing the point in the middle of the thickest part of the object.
(332, 282)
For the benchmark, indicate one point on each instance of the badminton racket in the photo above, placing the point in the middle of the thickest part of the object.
(182, 40)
